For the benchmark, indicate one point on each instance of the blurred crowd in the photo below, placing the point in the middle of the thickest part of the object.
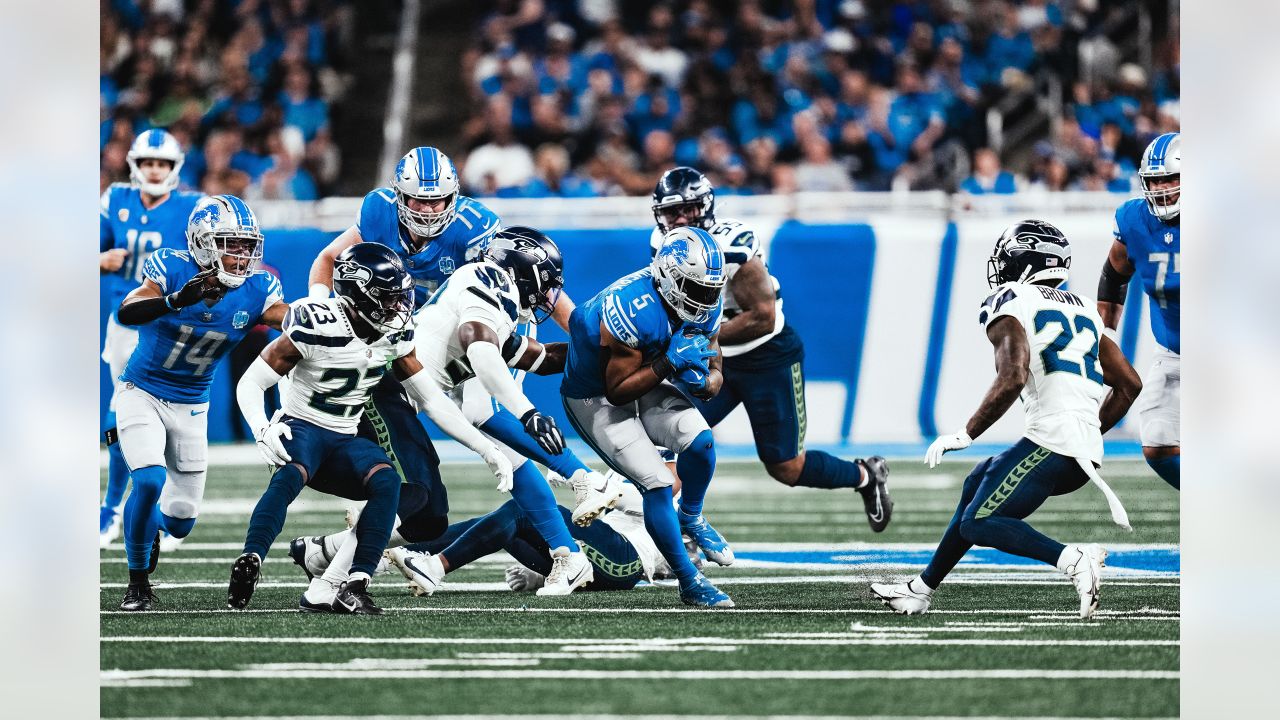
(598, 97)
(245, 86)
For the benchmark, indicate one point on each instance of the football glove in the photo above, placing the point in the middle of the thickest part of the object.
(195, 290)
(686, 349)
(946, 443)
(500, 466)
(271, 446)
(522, 579)
(544, 430)
(694, 379)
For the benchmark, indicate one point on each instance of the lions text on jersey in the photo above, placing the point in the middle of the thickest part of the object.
(460, 243)
(740, 245)
(124, 223)
(1155, 249)
(338, 370)
(1065, 389)
(482, 293)
(178, 352)
(632, 311)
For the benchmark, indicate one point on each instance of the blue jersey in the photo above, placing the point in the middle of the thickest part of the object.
(1154, 248)
(124, 223)
(461, 242)
(178, 353)
(635, 316)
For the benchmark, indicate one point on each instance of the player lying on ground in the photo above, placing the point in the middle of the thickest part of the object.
(337, 350)
(1048, 347)
(1148, 243)
(763, 355)
(191, 309)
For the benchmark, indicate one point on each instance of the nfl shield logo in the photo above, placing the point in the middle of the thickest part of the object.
(1168, 238)
(240, 319)
(446, 265)
(207, 317)
(123, 214)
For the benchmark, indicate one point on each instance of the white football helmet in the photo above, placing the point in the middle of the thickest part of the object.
(425, 173)
(223, 233)
(1162, 159)
(159, 145)
(688, 270)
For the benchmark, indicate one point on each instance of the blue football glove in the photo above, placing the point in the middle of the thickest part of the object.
(694, 379)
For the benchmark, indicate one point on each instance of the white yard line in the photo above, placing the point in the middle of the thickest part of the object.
(614, 675)
(648, 644)
(632, 717)
(1173, 615)
(799, 580)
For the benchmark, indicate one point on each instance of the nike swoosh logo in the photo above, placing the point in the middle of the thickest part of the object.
(878, 515)
(198, 412)
(604, 485)
(338, 600)
(581, 572)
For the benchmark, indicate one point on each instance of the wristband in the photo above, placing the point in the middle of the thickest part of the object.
(318, 291)
(167, 302)
(663, 368)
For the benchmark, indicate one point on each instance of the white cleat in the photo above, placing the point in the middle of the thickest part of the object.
(594, 494)
(308, 554)
(112, 532)
(1083, 564)
(169, 543)
(904, 598)
(424, 571)
(569, 571)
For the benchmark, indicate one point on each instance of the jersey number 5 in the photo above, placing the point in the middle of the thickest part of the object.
(1052, 362)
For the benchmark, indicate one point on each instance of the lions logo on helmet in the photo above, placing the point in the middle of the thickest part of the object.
(1027, 252)
(688, 271)
(155, 145)
(223, 232)
(1160, 175)
(427, 174)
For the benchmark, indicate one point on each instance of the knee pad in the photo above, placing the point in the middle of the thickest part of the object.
(180, 510)
(178, 527)
(973, 530)
(703, 444)
(384, 480)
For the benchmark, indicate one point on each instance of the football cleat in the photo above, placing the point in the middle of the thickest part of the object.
(522, 579)
(594, 494)
(169, 543)
(109, 524)
(423, 570)
(569, 571)
(308, 554)
(715, 547)
(875, 496)
(155, 554)
(244, 578)
(904, 598)
(318, 598)
(1083, 564)
(701, 593)
(138, 598)
(353, 597)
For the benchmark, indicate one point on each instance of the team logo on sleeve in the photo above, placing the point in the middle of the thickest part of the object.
(446, 265)
(240, 319)
(123, 214)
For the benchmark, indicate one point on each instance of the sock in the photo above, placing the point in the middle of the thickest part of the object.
(357, 575)
(823, 470)
(917, 584)
(660, 521)
(953, 545)
(139, 577)
(695, 465)
(532, 493)
(141, 515)
(1168, 468)
(268, 515)
(1013, 536)
(340, 564)
(376, 522)
(507, 427)
(486, 535)
(333, 542)
(117, 473)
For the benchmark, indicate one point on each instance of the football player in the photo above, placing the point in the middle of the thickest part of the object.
(658, 324)
(137, 218)
(1147, 243)
(763, 355)
(337, 350)
(1050, 349)
(191, 309)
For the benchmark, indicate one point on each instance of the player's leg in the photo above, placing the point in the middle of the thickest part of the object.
(1158, 417)
(187, 460)
(371, 533)
(424, 565)
(143, 438)
(617, 564)
(119, 345)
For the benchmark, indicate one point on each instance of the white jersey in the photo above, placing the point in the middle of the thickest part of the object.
(338, 370)
(478, 292)
(627, 519)
(740, 245)
(1065, 390)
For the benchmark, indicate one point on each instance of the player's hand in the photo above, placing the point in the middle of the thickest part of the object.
(522, 579)
(500, 466)
(272, 447)
(686, 349)
(544, 430)
(197, 289)
(113, 259)
(946, 443)
(696, 379)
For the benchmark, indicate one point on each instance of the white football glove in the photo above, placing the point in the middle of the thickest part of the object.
(944, 443)
(272, 447)
(500, 466)
(522, 579)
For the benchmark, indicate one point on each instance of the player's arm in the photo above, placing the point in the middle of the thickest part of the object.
(753, 289)
(273, 317)
(626, 376)
(524, 353)
(148, 301)
(1113, 286)
(110, 258)
(320, 281)
(1013, 366)
(564, 308)
(1123, 380)
(480, 343)
(277, 359)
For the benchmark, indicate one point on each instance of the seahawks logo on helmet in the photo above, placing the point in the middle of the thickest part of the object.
(352, 270)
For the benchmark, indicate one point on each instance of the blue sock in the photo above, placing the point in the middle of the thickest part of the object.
(1012, 535)
(117, 473)
(177, 527)
(376, 522)
(532, 493)
(268, 515)
(822, 470)
(140, 515)
(1169, 468)
(660, 521)
(506, 427)
(695, 465)
(483, 536)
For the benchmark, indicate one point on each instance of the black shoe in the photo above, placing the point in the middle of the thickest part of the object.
(353, 597)
(138, 598)
(875, 496)
(298, 551)
(155, 554)
(307, 606)
(244, 578)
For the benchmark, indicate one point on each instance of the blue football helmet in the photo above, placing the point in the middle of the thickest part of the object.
(688, 270)
(534, 263)
(160, 145)
(223, 232)
(1029, 251)
(371, 283)
(1163, 161)
(425, 173)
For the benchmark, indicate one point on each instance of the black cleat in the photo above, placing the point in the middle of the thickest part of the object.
(306, 606)
(353, 597)
(138, 598)
(244, 578)
(298, 551)
(155, 554)
(875, 496)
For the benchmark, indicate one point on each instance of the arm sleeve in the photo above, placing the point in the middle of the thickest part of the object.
(250, 392)
(274, 293)
(486, 360)
(154, 270)
(431, 399)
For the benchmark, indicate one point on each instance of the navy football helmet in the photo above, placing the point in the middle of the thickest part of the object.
(684, 192)
(534, 263)
(1029, 251)
(371, 283)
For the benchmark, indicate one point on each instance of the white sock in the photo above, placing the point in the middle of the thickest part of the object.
(320, 590)
(918, 585)
(340, 565)
(360, 576)
(333, 542)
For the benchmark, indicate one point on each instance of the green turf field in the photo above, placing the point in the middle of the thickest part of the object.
(1002, 640)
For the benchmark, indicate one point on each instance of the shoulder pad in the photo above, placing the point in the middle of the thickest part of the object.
(994, 302)
(738, 241)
